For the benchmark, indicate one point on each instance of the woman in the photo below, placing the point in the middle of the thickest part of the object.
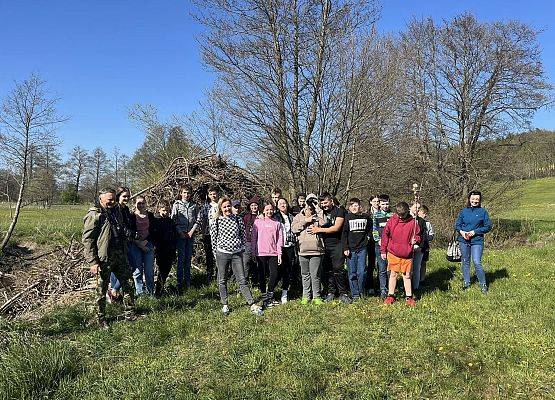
(311, 248)
(473, 222)
(288, 250)
(227, 233)
(122, 197)
(141, 250)
(267, 243)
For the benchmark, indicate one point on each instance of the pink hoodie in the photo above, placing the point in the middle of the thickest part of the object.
(267, 237)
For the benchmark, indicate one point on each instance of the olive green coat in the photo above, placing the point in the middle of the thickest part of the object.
(97, 235)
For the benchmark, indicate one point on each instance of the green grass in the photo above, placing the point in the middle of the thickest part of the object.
(453, 345)
(54, 225)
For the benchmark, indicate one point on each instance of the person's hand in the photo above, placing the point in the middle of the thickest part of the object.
(95, 269)
(279, 259)
(191, 233)
(384, 256)
(413, 241)
(379, 242)
(463, 233)
(346, 252)
(314, 229)
(415, 247)
(308, 219)
(184, 235)
(471, 233)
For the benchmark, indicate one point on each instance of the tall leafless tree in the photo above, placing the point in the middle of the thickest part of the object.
(28, 117)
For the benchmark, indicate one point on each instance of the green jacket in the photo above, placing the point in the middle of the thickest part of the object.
(97, 235)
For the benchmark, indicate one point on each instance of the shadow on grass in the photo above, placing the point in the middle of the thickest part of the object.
(439, 279)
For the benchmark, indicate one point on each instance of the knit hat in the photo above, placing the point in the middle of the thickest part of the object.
(235, 203)
(254, 199)
(311, 196)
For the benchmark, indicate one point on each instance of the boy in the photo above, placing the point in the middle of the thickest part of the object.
(418, 253)
(423, 213)
(208, 210)
(356, 228)
(373, 208)
(164, 238)
(400, 238)
(380, 220)
(185, 215)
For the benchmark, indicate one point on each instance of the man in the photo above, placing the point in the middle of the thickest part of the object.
(208, 210)
(105, 247)
(301, 201)
(333, 256)
(185, 215)
(380, 219)
(276, 195)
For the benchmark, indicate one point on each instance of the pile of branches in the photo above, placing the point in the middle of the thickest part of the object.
(201, 173)
(29, 281)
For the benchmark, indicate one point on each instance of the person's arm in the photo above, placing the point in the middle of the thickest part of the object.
(91, 230)
(486, 227)
(459, 223)
(385, 239)
(417, 234)
(280, 238)
(298, 224)
(213, 229)
(195, 224)
(332, 229)
(345, 238)
(430, 231)
(375, 232)
(254, 239)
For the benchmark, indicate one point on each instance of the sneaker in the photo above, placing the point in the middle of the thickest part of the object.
(283, 296)
(345, 299)
(225, 309)
(257, 310)
(411, 302)
(371, 292)
(271, 303)
(389, 300)
(304, 301)
(484, 289)
(330, 297)
(383, 295)
(317, 301)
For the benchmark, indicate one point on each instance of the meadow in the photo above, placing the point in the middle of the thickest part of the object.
(453, 345)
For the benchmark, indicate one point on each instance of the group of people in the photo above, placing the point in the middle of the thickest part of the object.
(317, 247)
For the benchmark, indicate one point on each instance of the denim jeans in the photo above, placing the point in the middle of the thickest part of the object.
(184, 255)
(357, 271)
(114, 282)
(142, 262)
(382, 272)
(475, 251)
(416, 265)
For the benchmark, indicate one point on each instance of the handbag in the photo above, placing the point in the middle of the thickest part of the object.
(454, 249)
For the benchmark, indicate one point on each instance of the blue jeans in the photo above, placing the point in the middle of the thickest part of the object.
(416, 265)
(114, 283)
(357, 271)
(382, 272)
(475, 251)
(184, 255)
(142, 262)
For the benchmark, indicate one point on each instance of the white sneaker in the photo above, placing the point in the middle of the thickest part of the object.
(257, 310)
(225, 309)
(283, 296)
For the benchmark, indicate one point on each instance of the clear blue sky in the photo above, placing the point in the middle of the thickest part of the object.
(103, 56)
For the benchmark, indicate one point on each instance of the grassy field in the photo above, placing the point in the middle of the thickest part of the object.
(453, 345)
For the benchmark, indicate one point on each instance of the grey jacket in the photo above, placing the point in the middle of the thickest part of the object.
(184, 215)
(309, 244)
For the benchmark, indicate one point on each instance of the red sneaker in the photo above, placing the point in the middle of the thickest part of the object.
(389, 300)
(411, 302)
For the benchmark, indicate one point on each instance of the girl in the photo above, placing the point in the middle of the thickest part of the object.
(141, 250)
(473, 222)
(267, 243)
(288, 250)
(311, 248)
(227, 233)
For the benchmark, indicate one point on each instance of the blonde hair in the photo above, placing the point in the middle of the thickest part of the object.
(218, 212)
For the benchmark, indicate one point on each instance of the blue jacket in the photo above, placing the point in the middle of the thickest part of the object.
(473, 219)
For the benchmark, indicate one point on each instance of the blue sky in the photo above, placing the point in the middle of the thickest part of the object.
(100, 57)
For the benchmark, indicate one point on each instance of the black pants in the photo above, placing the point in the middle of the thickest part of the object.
(164, 261)
(287, 260)
(267, 263)
(334, 267)
(210, 261)
(371, 265)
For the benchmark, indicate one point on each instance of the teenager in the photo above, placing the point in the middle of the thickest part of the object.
(334, 260)
(472, 224)
(380, 220)
(141, 250)
(356, 228)
(401, 236)
(206, 214)
(165, 243)
(249, 261)
(311, 248)
(267, 243)
(276, 195)
(373, 208)
(423, 247)
(424, 213)
(227, 233)
(184, 213)
(284, 216)
(300, 203)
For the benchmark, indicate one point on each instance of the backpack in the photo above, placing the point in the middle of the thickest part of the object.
(454, 249)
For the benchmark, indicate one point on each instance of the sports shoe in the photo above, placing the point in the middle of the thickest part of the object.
(225, 309)
(257, 310)
(330, 297)
(484, 289)
(389, 300)
(317, 301)
(411, 302)
(283, 296)
(304, 301)
(345, 299)
(371, 292)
